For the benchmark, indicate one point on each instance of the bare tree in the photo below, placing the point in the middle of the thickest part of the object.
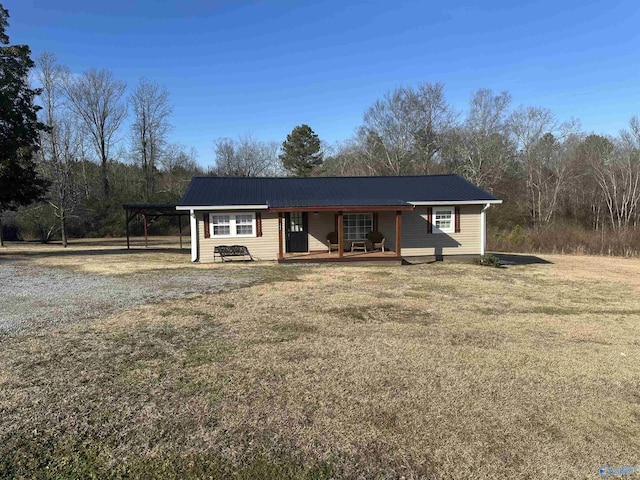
(616, 169)
(481, 149)
(96, 97)
(405, 131)
(630, 171)
(60, 143)
(544, 151)
(346, 159)
(177, 166)
(150, 104)
(246, 157)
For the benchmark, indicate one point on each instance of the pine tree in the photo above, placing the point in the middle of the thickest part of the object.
(19, 126)
(301, 151)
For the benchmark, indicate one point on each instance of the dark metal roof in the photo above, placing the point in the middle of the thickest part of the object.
(330, 191)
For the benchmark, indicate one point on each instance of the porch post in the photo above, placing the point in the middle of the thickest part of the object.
(398, 233)
(280, 241)
(340, 236)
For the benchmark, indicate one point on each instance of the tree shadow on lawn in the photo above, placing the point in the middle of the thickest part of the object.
(93, 252)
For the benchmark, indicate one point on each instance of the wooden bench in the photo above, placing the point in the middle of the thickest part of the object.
(227, 252)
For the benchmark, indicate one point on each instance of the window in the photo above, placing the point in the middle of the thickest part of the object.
(244, 224)
(233, 225)
(443, 220)
(357, 225)
(296, 222)
(221, 225)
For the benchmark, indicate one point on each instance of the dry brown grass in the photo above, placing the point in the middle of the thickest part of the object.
(439, 371)
(106, 256)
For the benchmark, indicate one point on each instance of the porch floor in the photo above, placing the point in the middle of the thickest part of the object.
(357, 256)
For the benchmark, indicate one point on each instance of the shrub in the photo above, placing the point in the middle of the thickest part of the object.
(37, 222)
(488, 260)
(517, 235)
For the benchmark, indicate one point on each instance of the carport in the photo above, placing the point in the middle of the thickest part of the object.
(150, 212)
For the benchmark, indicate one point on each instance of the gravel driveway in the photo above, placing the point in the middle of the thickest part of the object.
(32, 297)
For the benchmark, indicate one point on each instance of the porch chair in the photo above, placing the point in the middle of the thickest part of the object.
(376, 240)
(332, 241)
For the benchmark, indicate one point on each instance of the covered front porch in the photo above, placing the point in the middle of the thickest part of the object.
(340, 234)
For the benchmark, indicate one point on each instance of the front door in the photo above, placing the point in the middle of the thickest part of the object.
(296, 224)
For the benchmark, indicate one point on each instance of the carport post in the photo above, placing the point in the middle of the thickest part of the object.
(180, 228)
(144, 217)
(126, 213)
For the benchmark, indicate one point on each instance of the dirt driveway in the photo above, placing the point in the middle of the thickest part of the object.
(45, 285)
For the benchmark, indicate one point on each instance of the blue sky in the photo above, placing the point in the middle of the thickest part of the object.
(263, 67)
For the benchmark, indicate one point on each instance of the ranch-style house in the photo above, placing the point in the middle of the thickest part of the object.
(337, 218)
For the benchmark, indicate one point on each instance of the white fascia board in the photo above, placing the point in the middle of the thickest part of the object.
(224, 207)
(458, 202)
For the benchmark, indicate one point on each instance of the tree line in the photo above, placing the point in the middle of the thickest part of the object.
(554, 178)
(563, 189)
(69, 159)
(90, 163)
(65, 144)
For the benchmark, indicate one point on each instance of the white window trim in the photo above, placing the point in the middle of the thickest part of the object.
(450, 209)
(232, 225)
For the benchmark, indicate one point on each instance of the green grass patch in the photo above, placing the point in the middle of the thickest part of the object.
(552, 310)
(352, 313)
(429, 290)
(383, 313)
(293, 330)
(207, 351)
(31, 456)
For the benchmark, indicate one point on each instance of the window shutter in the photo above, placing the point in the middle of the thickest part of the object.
(429, 220)
(207, 234)
(457, 220)
(258, 224)
(375, 221)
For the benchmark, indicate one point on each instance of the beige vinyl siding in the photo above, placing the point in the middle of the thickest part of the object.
(387, 226)
(261, 248)
(320, 224)
(416, 241)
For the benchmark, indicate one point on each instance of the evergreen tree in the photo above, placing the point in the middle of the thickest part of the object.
(19, 126)
(301, 151)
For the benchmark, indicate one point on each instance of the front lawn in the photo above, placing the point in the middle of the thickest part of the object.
(432, 371)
